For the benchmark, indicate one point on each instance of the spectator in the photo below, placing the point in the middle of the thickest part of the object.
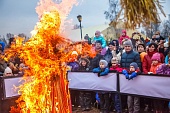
(123, 37)
(111, 52)
(8, 70)
(115, 97)
(85, 96)
(142, 51)
(146, 64)
(102, 70)
(115, 65)
(86, 37)
(99, 49)
(133, 102)
(164, 68)
(155, 62)
(159, 37)
(127, 58)
(129, 55)
(98, 37)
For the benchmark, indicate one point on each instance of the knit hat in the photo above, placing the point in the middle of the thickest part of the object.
(128, 43)
(104, 62)
(97, 33)
(85, 59)
(135, 65)
(115, 60)
(156, 56)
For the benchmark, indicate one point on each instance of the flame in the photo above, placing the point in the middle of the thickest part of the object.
(45, 89)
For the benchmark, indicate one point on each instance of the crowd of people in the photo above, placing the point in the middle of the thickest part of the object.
(126, 55)
(131, 57)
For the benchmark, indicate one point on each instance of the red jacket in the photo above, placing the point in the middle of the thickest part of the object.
(146, 64)
(116, 68)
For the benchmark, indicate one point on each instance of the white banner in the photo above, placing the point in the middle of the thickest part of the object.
(10, 85)
(154, 86)
(90, 81)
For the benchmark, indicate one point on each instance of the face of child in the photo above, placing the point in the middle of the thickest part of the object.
(132, 69)
(155, 62)
(114, 63)
(123, 34)
(83, 63)
(141, 48)
(97, 35)
(101, 65)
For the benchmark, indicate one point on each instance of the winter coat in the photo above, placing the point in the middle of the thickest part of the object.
(100, 38)
(154, 68)
(166, 59)
(146, 64)
(129, 57)
(74, 66)
(116, 68)
(101, 72)
(142, 55)
(108, 56)
(163, 69)
(95, 61)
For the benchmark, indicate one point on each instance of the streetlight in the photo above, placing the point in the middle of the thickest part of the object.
(79, 17)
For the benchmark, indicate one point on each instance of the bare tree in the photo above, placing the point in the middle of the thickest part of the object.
(113, 10)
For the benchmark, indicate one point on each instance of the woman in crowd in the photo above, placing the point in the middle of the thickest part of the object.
(146, 64)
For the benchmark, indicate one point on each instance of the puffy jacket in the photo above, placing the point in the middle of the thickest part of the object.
(123, 37)
(101, 72)
(100, 38)
(146, 64)
(95, 61)
(163, 69)
(116, 68)
(166, 59)
(154, 68)
(129, 57)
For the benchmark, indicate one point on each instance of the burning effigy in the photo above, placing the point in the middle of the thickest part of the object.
(46, 54)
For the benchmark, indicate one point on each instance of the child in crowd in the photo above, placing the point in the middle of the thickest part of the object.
(123, 37)
(155, 63)
(133, 102)
(85, 96)
(103, 70)
(99, 37)
(115, 65)
(141, 48)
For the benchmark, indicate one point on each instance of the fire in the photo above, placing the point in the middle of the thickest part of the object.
(46, 87)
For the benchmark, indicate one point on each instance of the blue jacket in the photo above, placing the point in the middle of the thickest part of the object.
(128, 58)
(102, 72)
(3, 45)
(166, 59)
(74, 66)
(100, 38)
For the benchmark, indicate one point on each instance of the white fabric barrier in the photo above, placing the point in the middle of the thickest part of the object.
(154, 86)
(90, 81)
(10, 85)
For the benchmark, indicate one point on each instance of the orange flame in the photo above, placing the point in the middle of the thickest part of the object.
(46, 88)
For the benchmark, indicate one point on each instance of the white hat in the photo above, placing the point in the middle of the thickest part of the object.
(74, 53)
(166, 44)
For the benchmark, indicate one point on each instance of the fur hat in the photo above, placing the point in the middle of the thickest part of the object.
(104, 62)
(135, 65)
(156, 56)
(128, 43)
(115, 60)
(84, 59)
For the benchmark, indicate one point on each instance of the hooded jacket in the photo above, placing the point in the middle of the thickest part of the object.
(123, 37)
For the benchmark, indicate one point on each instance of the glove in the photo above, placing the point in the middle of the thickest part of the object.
(98, 74)
(133, 75)
(126, 74)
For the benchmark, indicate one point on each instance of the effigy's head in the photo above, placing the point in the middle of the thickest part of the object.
(49, 24)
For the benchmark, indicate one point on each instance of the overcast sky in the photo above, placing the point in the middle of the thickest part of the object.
(19, 16)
